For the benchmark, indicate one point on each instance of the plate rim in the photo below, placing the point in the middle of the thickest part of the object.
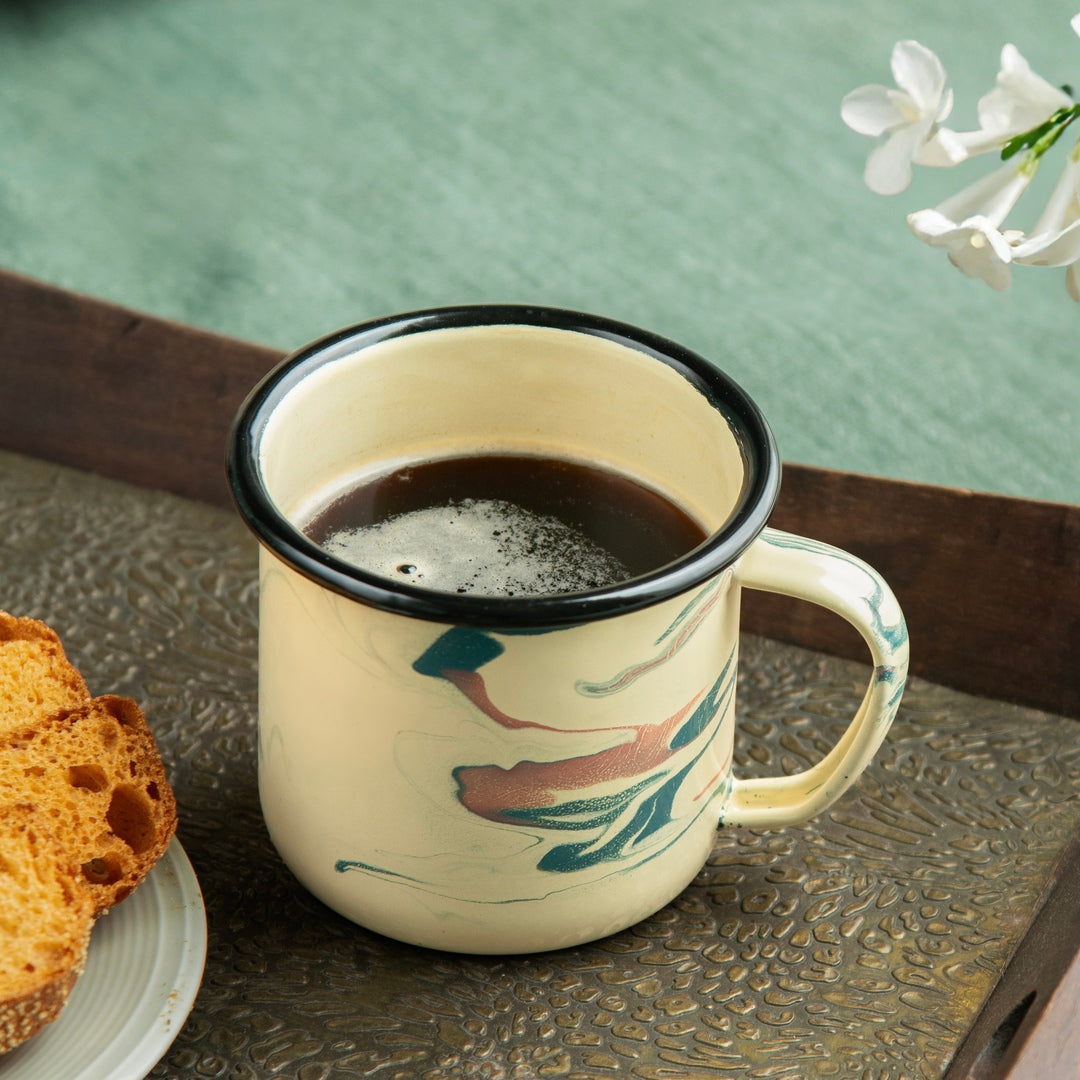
(171, 902)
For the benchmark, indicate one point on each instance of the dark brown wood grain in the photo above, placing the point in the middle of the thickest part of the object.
(96, 386)
(990, 585)
(1056, 1049)
(1026, 1028)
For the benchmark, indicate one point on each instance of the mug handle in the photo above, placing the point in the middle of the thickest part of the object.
(780, 562)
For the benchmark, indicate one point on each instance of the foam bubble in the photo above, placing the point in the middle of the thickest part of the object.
(488, 547)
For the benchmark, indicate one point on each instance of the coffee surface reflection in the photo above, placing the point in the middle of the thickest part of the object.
(504, 525)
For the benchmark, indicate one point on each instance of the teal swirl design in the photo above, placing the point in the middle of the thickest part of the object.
(642, 806)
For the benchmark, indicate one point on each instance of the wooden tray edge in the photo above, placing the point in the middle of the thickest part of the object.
(990, 584)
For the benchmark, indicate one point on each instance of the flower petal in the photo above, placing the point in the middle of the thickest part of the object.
(984, 255)
(945, 106)
(918, 71)
(1050, 249)
(1075, 22)
(888, 168)
(930, 225)
(870, 110)
(992, 197)
(975, 246)
(1063, 206)
(1021, 99)
(1072, 275)
(993, 272)
(949, 147)
(946, 148)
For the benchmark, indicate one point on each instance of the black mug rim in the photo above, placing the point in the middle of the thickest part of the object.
(259, 512)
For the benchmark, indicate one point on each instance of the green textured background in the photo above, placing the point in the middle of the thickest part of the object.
(275, 169)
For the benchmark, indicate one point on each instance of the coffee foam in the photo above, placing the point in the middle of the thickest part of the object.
(487, 547)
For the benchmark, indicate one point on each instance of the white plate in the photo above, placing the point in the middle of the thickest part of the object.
(142, 974)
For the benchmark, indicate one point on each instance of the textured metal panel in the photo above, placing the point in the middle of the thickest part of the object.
(858, 945)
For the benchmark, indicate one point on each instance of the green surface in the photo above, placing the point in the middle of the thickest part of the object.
(273, 170)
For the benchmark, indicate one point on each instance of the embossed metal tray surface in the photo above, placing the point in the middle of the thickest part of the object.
(860, 944)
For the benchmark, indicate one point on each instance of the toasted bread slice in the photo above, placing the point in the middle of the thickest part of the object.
(95, 776)
(46, 915)
(85, 812)
(36, 678)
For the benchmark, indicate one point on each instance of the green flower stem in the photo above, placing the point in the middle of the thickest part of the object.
(1040, 138)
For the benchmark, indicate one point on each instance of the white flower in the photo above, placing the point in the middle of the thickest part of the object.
(976, 245)
(1020, 101)
(909, 115)
(1055, 237)
(968, 225)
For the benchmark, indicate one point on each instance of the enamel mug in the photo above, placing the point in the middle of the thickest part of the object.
(513, 774)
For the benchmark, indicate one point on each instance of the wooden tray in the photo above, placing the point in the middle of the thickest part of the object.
(990, 585)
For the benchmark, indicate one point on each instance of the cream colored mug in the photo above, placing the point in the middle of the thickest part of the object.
(515, 774)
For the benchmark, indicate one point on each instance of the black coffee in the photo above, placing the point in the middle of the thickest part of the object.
(505, 525)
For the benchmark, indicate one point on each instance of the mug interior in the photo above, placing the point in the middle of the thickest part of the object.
(506, 379)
